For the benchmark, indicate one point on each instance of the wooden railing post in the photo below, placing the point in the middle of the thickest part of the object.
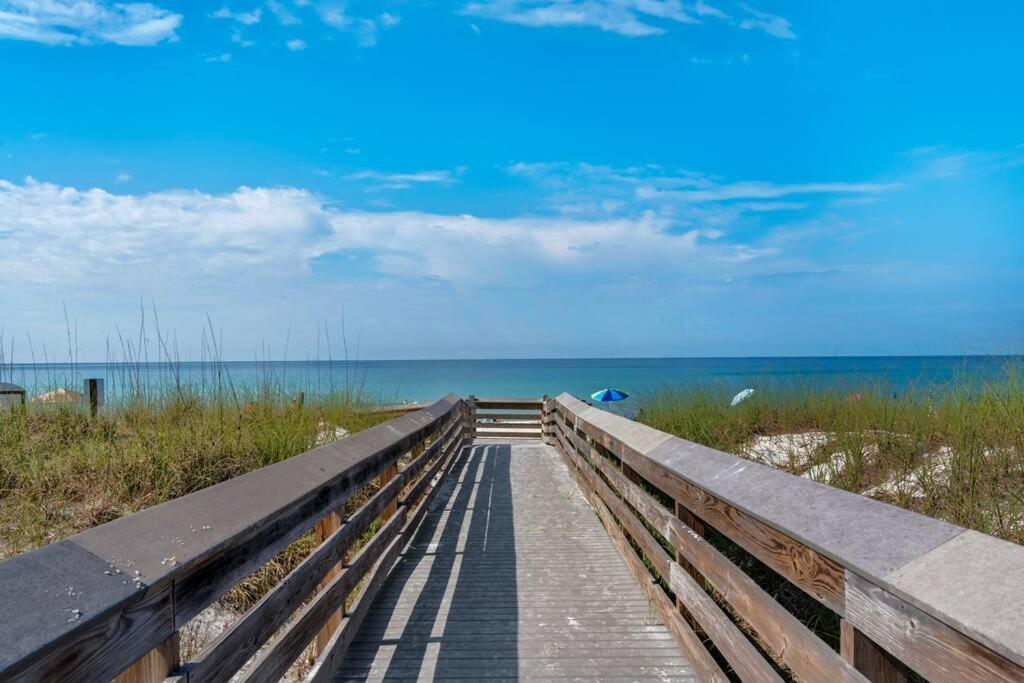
(155, 665)
(867, 657)
(471, 415)
(691, 520)
(327, 526)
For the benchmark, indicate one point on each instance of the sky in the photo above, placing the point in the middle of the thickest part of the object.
(512, 178)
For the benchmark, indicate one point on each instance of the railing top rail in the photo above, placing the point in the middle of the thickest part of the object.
(127, 575)
(972, 582)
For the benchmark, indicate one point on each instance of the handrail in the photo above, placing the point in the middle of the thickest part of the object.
(911, 591)
(87, 607)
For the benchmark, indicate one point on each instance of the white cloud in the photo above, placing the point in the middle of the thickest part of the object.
(87, 22)
(58, 237)
(284, 15)
(296, 44)
(404, 180)
(222, 58)
(123, 177)
(626, 17)
(249, 18)
(365, 30)
(703, 9)
(240, 40)
(771, 24)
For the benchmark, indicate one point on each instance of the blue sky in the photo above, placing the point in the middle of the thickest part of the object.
(514, 178)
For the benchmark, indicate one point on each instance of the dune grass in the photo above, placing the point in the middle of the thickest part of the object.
(954, 452)
(62, 472)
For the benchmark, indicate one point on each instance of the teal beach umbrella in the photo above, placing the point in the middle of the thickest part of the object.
(609, 394)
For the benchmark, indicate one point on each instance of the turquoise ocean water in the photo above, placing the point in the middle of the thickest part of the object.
(397, 381)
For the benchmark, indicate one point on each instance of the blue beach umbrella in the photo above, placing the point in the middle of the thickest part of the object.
(609, 394)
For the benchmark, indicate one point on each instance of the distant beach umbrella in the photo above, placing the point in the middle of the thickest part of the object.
(609, 394)
(740, 397)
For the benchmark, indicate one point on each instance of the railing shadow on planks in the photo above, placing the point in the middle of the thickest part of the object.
(911, 593)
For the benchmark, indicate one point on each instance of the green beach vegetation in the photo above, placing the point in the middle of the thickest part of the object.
(953, 452)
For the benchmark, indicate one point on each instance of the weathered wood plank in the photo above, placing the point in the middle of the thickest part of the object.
(221, 659)
(324, 530)
(700, 658)
(925, 644)
(287, 645)
(533, 416)
(820, 577)
(873, 662)
(154, 665)
(524, 434)
(801, 650)
(745, 660)
(509, 404)
(334, 650)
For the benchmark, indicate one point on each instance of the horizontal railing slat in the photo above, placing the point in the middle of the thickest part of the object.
(285, 648)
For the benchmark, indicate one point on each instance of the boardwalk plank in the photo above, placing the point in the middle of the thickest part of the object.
(512, 575)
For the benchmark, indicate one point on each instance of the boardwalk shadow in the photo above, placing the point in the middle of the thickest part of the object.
(461, 567)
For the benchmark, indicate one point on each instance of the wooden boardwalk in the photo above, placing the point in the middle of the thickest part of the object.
(511, 575)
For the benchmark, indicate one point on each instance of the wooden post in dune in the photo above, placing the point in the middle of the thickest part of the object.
(94, 395)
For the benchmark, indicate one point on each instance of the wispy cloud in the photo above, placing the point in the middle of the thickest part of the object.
(771, 24)
(249, 18)
(632, 18)
(221, 58)
(296, 44)
(284, 15)
(405, 180)
(625, 17)
(685, 196)
(937, 162)
(365, 29)
(87, 22)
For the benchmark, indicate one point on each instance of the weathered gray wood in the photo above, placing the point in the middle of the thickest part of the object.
(970, 583)
(329, 660)
(508, 404)
(287, 645)
(222, 658)
(484, 592)
(930, 647)
(507, 434)
(819, 576)
(701, 659)
(196, 546)
(532, 415)
(802, 651)
(868, 658)
(745, 660)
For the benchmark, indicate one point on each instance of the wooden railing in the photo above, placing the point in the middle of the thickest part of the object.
(909, 592)
(906, 592)
(109, 602)
(502, 418)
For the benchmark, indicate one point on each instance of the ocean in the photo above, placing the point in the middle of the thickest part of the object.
(425, 380)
